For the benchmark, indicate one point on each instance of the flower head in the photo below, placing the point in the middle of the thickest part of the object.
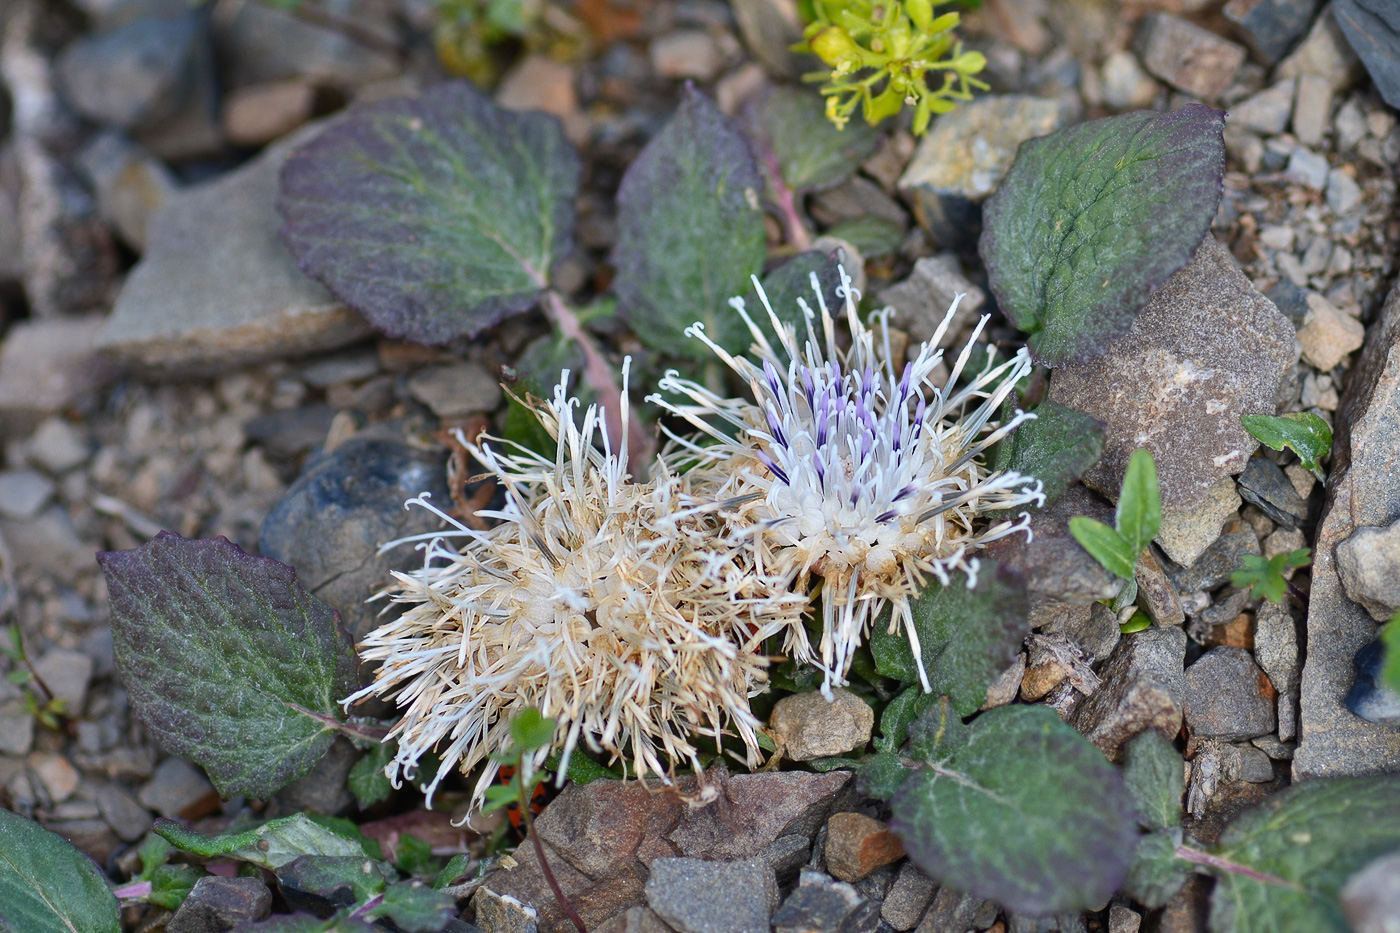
(869, 478)
(610, 606)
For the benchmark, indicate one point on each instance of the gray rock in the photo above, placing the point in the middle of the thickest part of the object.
(217, 289)
(632, 920)
(1360, 493)
(1254, 766)
(1371, 897)
(66, 674)
(1276, 645)
(1207, 348)
(1308, 167)
(16, 722)
(46, 365)
(57, 446)
(858, 845)
(1264, 484)
(291, 432)
(907, 898)
(333, 519)
(1343, 193)
(261, 43)
(110, 14)
(1186, 534)
(1270, 27)
(1312, 109)
(456, 390)
(809, 726)
(921, 302)
(47, 543)
(770, 29)
(1373, 29)
(1225, 609)
(1266, 112)
(821, 905)
(1225, 555)
(135, 75)
(23, 493)
(1274, 747)
(686, 53)
(964, 156)
(130, 185)
(1324, 52)
(337, 368)
(1370, 698)
(1142, 689)
(123, 812)
(1123, 919)
(1187, 57)
(175, 785)
(497, 913)
(1369, 564)
(1126, 86)
(1224, 696)
(216, 905)
(325, 789)
(1156, 595)
(682, 892)
(1056, 567)
(950, 912)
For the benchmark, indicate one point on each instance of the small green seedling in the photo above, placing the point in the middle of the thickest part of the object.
(1390, 638)
(1302, 432)
(39, 700)
(1265, 577)
(1138, 518)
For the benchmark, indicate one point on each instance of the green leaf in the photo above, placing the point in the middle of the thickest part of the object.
(1390, 639)
(529, 730)
(1057, 448)
(1155, 778)
(880, 775)
(434, 216)
(786, 283)
(584, 770)
(1302, 432)
(967, 637)
(690, 232)
(1309, 839)
(900, 713)
(306, 923)
(271, 845)
(1265, 578)
(227, 660)
(811, 153)
(938, 733)
(47, 886)
(1139, 513)
(872, 236)
(1105, 545)
(415, 857)
(414, 907)
(1156, 872)
(342, 880)
(1092, 219)
(456, 867)
(367, 780)
(1027, 814)
(171, 884)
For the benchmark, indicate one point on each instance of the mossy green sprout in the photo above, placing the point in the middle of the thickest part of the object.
(881, 54)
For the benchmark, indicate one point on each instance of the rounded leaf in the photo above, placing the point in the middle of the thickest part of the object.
(47, 886)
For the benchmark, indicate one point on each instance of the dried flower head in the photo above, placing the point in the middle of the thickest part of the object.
(869, 479)
(610, 606)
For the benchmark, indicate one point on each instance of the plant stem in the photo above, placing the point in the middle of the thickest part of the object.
(1196, 856)
(548, 873)
(598, 374)
(786, 202)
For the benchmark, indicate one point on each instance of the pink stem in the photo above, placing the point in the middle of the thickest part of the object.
(1188, 854)
(787, 203)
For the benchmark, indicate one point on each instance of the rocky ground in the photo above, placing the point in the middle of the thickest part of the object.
(166, 366)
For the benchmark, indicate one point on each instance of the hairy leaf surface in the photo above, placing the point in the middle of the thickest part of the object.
(47, 886)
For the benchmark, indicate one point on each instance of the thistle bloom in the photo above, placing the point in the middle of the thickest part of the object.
(869, 479)
(610, 606)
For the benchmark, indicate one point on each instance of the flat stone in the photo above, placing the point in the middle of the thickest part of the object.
(1270, 27)
(1185, 535)
(1126, 85)
(1343, 193)
(950, 912)
(176, 785)
(24, 492)
(257, 114)
(58, 446)
(457, 390)
(1372, 27)
(261, 43)
(496, 913)
(123, 812)
(820, 905)
(1312, 109)
(1254, 765)
(47, 543)
(130, 185)
(1276, 645)
(134, 75)
(770, 28)
(333, 519)
(686, 53)
(1369, 562)
(217, 288)
(56, 773)
(1123, 919)
(1327, 335)
(45, 365)
(634, 920)
(1266, 112)
(921, 302)
(16, 722)
(1225, 696)
(1371, 897)
(1324, 52)
(1308, 168)
(66, 673)
(1264, 484)
(326, 788)
(682, 892)
(1206, 349)
(1142, 689)
(1217, 562)
(538, 82)
(1056, 566)
(856, 845)
(907, 898)
(809, 726)
(1156, 594)
(216, 905)
(1363, 489)
(1187, 57)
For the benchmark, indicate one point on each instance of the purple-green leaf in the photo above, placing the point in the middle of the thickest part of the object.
(690, 232)
(227, 660)
(1092, 219)
(434, 216)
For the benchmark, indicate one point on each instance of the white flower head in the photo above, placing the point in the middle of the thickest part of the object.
(869, 478)
(616, 608)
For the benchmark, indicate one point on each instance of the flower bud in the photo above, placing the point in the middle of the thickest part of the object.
(833, 46)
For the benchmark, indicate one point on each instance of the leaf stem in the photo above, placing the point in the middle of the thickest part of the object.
(548, 872)
(598, 374)
(1196, 856)
(786, 200)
